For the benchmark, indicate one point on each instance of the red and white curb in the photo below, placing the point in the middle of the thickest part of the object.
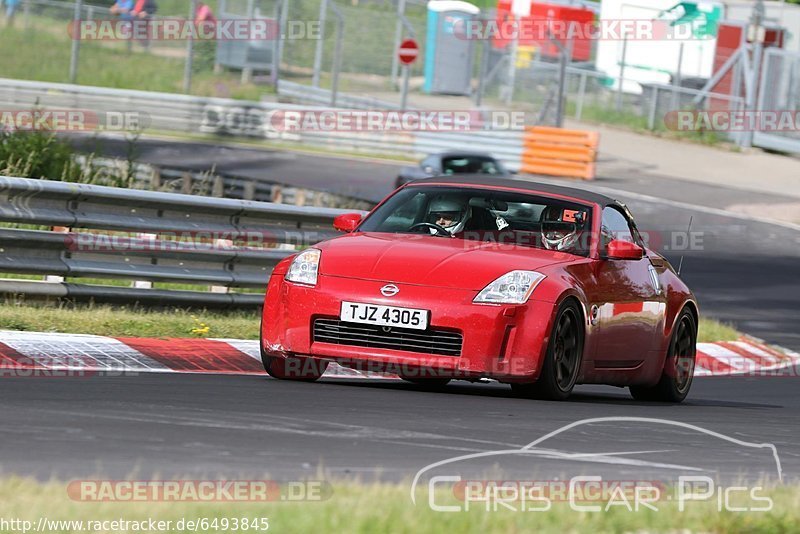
(32, 351)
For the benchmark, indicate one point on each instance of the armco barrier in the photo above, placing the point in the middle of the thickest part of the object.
(171, 112)
(126, 234)
(560, 152)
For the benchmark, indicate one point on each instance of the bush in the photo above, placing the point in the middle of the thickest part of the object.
(37, 155)
(43, 155)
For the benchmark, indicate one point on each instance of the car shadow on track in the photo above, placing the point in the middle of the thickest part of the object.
(615, 396)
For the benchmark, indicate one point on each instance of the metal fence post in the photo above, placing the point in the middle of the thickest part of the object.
(757, 37)
(187, 67)
(676, 81)
(581, 96)
(512, 69)
(398, 36)
(323, 15)
(564, 58)
(283, 13)
(337, 53)
(76, 42)
(485, 51)
(622, 73)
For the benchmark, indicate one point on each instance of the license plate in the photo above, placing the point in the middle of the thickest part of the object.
(356, 312)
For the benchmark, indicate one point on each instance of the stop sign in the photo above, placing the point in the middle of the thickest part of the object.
(408, 51)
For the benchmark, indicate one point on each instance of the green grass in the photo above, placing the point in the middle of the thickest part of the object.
(711, 330)
(139, 322)
(598, 114)
(379, 507)
(128, 321)
(43, 54)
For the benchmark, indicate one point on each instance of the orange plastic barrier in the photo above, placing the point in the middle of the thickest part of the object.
(559, 152)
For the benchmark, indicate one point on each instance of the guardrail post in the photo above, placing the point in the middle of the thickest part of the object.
(276, 195)
(651, 117)
(186, 183)
(249, 191)
(52, 278)
(218, 188)
(155, 179)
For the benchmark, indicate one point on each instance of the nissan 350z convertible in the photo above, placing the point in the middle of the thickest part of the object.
(538, 286)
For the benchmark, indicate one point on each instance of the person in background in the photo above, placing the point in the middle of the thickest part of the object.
(144, 10)
(204, 14)
(123, 9)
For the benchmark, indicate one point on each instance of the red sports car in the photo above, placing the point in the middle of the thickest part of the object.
(542, 287)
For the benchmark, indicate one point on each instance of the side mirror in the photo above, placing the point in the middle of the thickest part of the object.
(624, 250)
(347, 222)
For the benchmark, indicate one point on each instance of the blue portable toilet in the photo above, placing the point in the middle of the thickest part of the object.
(448, 53)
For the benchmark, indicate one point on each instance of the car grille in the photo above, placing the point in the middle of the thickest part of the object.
(430, 341)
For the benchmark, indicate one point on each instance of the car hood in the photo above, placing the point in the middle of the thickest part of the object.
(428, 260)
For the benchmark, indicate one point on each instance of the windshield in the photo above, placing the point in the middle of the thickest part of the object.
(485, 215)
(471, 165)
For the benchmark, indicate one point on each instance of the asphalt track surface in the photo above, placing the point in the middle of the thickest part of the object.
(179, 425)
(247, 426)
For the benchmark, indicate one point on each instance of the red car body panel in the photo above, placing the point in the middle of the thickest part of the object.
(625, 342)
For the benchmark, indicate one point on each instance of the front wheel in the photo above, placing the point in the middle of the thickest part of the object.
(563, 359)
(676, 378)
(293, 367)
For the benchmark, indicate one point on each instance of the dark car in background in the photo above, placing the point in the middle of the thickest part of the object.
(447, 163)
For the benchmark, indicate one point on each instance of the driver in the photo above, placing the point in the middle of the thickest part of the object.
(448, 212)
(560, 227)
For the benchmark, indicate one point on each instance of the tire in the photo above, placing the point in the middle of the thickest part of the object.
(293, 367)
(676, 378)
(562, 361)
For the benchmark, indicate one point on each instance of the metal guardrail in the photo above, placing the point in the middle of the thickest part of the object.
(308, 94)
(215, 184)
(220, 116)
(114, 233)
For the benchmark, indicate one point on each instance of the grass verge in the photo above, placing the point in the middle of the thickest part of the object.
(368, 508)
(105, 320)
(43, 54)
(128, 321)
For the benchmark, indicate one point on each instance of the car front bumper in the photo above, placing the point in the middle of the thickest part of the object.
(506, 342)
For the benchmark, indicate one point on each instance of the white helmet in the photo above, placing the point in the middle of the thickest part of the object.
(455, 210)
(559, 228)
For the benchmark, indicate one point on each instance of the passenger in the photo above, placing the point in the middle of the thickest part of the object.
(561, 228)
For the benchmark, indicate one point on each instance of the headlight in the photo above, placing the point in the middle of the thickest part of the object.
(304, 267)
(514, 287)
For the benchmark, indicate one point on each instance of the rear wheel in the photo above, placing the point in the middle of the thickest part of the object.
(293, 367)
(676, 378)
(563, 359)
